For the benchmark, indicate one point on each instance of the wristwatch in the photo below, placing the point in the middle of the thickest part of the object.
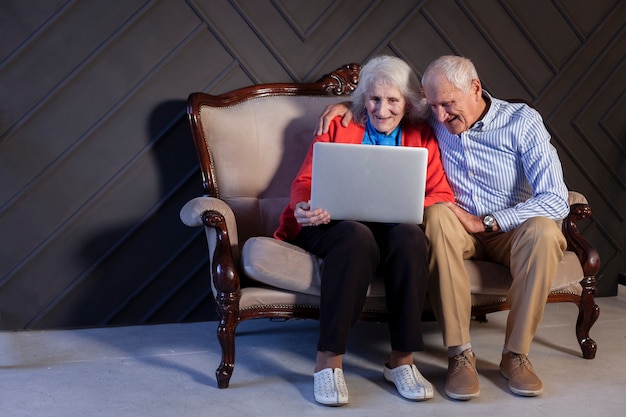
(488, 222)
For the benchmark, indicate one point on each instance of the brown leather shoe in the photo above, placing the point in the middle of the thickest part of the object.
(462, 378)
(522, 377)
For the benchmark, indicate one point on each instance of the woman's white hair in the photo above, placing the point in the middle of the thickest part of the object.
(393, 72)
(458, 70)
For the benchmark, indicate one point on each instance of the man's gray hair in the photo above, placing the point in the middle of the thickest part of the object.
(458, 70)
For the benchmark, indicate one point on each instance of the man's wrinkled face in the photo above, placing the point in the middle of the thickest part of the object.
(456, 110)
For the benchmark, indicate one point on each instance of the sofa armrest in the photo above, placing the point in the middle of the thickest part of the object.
(221, 232)
(191, 213)
(586, 252)
(590, 261)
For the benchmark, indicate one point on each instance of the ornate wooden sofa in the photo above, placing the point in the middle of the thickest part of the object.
(250, 143)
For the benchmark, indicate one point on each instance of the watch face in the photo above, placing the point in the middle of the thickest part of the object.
(488, 221)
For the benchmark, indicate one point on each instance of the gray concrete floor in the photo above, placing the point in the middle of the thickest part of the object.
(168, 370)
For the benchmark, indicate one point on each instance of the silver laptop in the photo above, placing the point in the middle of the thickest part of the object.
(369, 183)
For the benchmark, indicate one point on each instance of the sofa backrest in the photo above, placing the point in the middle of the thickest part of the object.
(251, 143)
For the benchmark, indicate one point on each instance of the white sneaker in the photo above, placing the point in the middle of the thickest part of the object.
(409, 382)
(330, 387)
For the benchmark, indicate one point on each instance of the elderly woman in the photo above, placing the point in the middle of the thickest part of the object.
(389, 111)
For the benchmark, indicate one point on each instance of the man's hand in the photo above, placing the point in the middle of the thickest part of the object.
(471, 223)
(332, 111)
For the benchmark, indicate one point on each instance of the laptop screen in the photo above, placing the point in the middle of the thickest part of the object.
(369, 183)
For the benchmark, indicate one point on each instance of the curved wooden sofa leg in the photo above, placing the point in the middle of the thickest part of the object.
(227, 283)
(228, 304)
(588, 312)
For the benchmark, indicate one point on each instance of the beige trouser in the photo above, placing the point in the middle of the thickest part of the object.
(532, 251)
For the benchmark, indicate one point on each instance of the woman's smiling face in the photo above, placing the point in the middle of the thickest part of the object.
(386, 107)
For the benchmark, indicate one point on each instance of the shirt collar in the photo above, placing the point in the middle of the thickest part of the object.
(490, 114)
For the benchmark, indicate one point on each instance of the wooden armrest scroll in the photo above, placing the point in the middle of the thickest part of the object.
(586, 252)
(225, 276)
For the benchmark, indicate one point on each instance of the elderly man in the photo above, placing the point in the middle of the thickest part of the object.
(508, 185)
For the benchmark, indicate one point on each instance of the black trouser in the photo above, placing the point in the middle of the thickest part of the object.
(353, 253)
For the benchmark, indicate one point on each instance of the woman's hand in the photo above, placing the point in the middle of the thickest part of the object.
(332, 111)
(307, 217)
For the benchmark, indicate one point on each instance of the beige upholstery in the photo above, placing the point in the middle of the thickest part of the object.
(250, 144)
(287, 267)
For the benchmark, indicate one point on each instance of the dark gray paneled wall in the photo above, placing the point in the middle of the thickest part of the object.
(96, 157)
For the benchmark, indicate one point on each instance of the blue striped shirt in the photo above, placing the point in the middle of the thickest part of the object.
(504, 165)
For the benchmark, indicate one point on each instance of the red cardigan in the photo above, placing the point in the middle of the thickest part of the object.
(421, 135)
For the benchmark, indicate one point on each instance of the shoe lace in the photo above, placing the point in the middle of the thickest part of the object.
(521, 361)
(463, 361)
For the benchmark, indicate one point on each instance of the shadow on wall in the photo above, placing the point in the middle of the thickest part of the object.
(147, 267)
